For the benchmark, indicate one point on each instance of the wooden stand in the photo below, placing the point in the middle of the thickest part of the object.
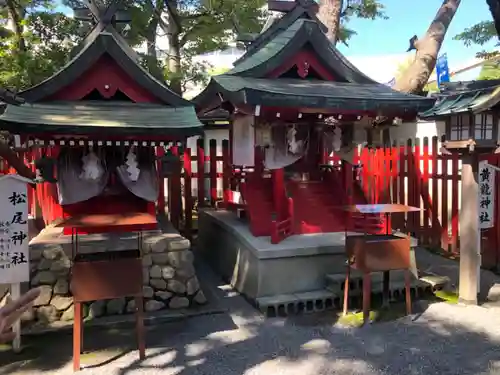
(106, 275)
(375, 253)
(378, 253)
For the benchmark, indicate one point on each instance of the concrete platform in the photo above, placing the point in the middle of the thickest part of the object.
(257, 268)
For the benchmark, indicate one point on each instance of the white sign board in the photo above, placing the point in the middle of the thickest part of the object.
(14, 251)
(486, 177)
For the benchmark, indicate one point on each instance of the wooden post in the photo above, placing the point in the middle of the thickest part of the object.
(200, 170)
(278, 178)
(470, 256)
(212, 146)
(188, 195)
(226, 173)
(160, 151)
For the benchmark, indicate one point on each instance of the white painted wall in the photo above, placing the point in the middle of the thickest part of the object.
(418, 129)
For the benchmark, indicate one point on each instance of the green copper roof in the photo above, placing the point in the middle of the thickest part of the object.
(95, 45)
(468, 101)
(279, 24)
(296, 32)
(314, 94)
(270, 49)
(302, 33)
(96, 117)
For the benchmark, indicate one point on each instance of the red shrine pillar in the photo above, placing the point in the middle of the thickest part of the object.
(279, 198)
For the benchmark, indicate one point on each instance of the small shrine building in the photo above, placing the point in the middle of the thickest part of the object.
(96, 132)
(103, 108)
(293, 99)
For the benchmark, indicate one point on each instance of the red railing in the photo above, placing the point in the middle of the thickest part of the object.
(283, 229)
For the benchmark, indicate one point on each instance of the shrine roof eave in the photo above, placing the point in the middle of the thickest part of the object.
(112, 118)
(461, 102)
(94, 46)
(297, 93)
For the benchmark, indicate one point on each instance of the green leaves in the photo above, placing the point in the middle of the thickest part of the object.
(47, 37)
(366, 9)
(490, 70)
(481, 33)
(203, 26)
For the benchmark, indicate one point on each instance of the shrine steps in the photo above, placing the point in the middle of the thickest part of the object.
(314, 208)
(315, 203)
(331, 298)
(317, 207)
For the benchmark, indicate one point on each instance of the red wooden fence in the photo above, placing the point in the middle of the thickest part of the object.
(415, 173)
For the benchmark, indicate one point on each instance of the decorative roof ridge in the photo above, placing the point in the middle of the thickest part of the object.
(288, 42)
(280, 24)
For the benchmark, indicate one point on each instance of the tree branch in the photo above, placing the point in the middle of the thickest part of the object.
(199, 17)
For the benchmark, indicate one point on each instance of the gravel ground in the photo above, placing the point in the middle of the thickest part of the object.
(442, 339)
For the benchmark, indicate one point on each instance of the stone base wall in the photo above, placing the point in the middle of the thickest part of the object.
(170, 281)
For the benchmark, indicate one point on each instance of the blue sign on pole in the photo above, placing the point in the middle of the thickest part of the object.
(442, 71)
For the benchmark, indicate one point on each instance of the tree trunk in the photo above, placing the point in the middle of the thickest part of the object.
(416, 76)
(174, 48)
(494, 6)
(174, 63)
(152, 56)
(329, 13)
(16, 16)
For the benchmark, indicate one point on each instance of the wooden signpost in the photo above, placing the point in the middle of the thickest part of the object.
(14, 250)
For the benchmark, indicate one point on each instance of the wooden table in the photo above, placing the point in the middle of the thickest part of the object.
(395, 256)
(107, 275)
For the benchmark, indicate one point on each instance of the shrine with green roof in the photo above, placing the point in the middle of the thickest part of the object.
(293, 98)
(102, 103)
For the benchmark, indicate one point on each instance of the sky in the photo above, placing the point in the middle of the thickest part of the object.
(379, 46)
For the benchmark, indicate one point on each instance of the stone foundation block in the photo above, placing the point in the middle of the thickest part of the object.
(169, 278)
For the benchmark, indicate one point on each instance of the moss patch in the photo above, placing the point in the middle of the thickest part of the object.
(383, 314)
(448, 296)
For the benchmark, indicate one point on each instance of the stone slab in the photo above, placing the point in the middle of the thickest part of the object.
(89, 243)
